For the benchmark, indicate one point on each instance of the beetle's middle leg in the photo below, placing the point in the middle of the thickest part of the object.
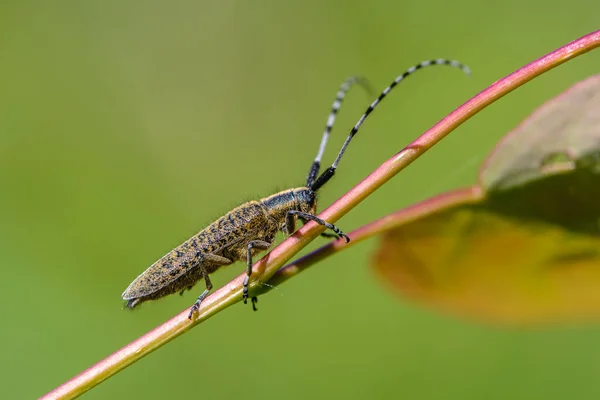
(213, 259)
(255, 244)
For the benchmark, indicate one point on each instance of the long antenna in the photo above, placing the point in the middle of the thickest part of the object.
(329, 172)
(339, 98)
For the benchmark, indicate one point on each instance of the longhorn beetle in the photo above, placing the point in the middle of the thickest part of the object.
(251, 227)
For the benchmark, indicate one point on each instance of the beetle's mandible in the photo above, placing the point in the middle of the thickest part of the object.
(251, 227)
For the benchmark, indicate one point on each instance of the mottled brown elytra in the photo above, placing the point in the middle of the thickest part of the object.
(251, 227)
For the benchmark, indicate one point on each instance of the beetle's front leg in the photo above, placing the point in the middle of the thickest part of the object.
(324, 234)
(290, 223)
(319, 221)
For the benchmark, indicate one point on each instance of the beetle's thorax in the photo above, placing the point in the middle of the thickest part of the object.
(299, 199)
(306, 200)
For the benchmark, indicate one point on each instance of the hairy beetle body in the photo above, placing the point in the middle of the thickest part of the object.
(251, 227)
(227, 238)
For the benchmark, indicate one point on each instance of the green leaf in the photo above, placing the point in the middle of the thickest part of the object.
(522, 246)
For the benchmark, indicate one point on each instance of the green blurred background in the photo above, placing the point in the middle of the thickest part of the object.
(127, 126)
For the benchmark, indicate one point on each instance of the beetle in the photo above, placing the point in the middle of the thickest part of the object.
(251, 227)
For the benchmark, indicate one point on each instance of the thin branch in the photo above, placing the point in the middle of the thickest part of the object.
(405, 215)
(269, 264)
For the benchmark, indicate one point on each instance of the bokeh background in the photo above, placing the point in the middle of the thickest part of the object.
(125, 127)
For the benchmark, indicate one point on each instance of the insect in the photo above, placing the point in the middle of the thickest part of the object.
(250, 228)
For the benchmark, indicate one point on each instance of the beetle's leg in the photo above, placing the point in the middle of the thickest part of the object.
(304, 221)
(318, 220)
(183, 291)
(255, 244)
(203, 295)
(213, 259)
(324, 234)
(329, 235)
(254, 301)
(290, 224)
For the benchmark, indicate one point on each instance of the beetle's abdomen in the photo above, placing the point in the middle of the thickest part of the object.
(175, 266)
(229, 235)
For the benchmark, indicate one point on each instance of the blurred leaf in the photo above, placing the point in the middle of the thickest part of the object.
(522, 246)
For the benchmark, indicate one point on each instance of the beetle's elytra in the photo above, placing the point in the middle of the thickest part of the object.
(251, 227)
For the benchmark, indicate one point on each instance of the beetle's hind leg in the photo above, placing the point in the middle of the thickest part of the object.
(212, 259)
(255, 244)
(209, 286)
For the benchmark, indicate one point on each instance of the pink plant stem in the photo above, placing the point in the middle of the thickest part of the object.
(405, 215)
(270, 263)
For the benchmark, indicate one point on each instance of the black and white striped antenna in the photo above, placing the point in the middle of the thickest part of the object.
(339, 98)
(329, 172)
